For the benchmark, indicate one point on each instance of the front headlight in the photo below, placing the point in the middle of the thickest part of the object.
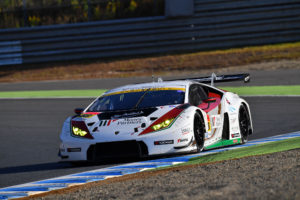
(164, 124)
(79, 129)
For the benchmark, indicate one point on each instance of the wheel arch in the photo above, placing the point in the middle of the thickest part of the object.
(244, 103)
(204, 118)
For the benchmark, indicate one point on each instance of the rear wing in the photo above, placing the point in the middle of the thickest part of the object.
(221, 78)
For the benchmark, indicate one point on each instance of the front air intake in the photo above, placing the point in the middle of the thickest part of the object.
(124, 149)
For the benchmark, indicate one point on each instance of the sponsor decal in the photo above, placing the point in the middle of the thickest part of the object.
(209, 124)
(131, 114)
(182, 140)
(235, 141)
(206, 135)
(144, 90)
(234, 128)
(129, 121)
(235, 135)
(233, 120)
(227, 101)
(164, 142)
(106, 122)
(185, 131)
(216, 121)
(231, 109)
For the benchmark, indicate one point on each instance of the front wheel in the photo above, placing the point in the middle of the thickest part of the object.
(199, 131)
(244, 122)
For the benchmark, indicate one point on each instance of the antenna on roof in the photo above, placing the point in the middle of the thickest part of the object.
(213, 77)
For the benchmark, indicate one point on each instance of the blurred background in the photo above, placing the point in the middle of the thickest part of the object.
(40, 31)
(29, 13)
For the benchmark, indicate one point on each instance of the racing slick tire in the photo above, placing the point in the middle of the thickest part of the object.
(199, 131)
(244, 122)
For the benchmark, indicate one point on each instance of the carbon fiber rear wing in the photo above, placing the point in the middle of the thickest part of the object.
(221, 78)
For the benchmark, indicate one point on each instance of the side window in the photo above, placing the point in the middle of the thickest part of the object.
(196, 95)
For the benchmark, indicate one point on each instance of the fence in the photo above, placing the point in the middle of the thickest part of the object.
(215, 24)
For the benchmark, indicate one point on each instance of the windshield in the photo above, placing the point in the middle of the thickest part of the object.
(137, 100)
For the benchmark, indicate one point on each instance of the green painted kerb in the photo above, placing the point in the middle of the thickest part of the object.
(265, 90)
(52, 93)
(245, 90)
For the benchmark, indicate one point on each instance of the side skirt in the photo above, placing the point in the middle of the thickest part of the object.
(222, 143)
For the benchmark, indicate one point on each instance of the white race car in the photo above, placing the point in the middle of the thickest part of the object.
(156, 118)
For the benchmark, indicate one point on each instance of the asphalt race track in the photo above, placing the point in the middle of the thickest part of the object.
(29, 129)
(269, 77)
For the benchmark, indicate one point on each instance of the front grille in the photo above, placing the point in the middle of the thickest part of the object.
(124, 149)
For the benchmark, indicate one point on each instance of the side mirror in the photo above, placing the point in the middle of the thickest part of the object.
(210, 100)
(78, 111)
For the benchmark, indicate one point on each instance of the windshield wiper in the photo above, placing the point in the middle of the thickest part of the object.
(142, 97)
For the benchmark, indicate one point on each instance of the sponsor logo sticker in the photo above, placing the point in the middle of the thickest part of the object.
(216, 121)
(185, 131)
(234, 128)
(182, 140)
(233, 120)
(235, 135)
(231, 109)
(105, 122)
(163, 142)
(129, 121)
(227, 101)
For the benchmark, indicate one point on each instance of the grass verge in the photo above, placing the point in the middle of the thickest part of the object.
(265, 90)
(252, 90)
(261, 149)
(52, 93)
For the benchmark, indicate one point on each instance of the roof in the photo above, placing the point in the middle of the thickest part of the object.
(141, 86)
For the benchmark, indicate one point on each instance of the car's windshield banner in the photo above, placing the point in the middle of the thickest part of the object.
(144, 90)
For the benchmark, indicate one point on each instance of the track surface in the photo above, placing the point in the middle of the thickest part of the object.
(272, 77)
(29, 131)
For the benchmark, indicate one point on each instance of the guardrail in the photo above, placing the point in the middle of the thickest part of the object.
(215, 24)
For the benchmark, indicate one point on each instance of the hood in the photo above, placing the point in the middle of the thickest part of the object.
(122, 125)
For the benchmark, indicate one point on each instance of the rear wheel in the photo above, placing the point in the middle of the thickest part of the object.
(244, 122)
(199, 131)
